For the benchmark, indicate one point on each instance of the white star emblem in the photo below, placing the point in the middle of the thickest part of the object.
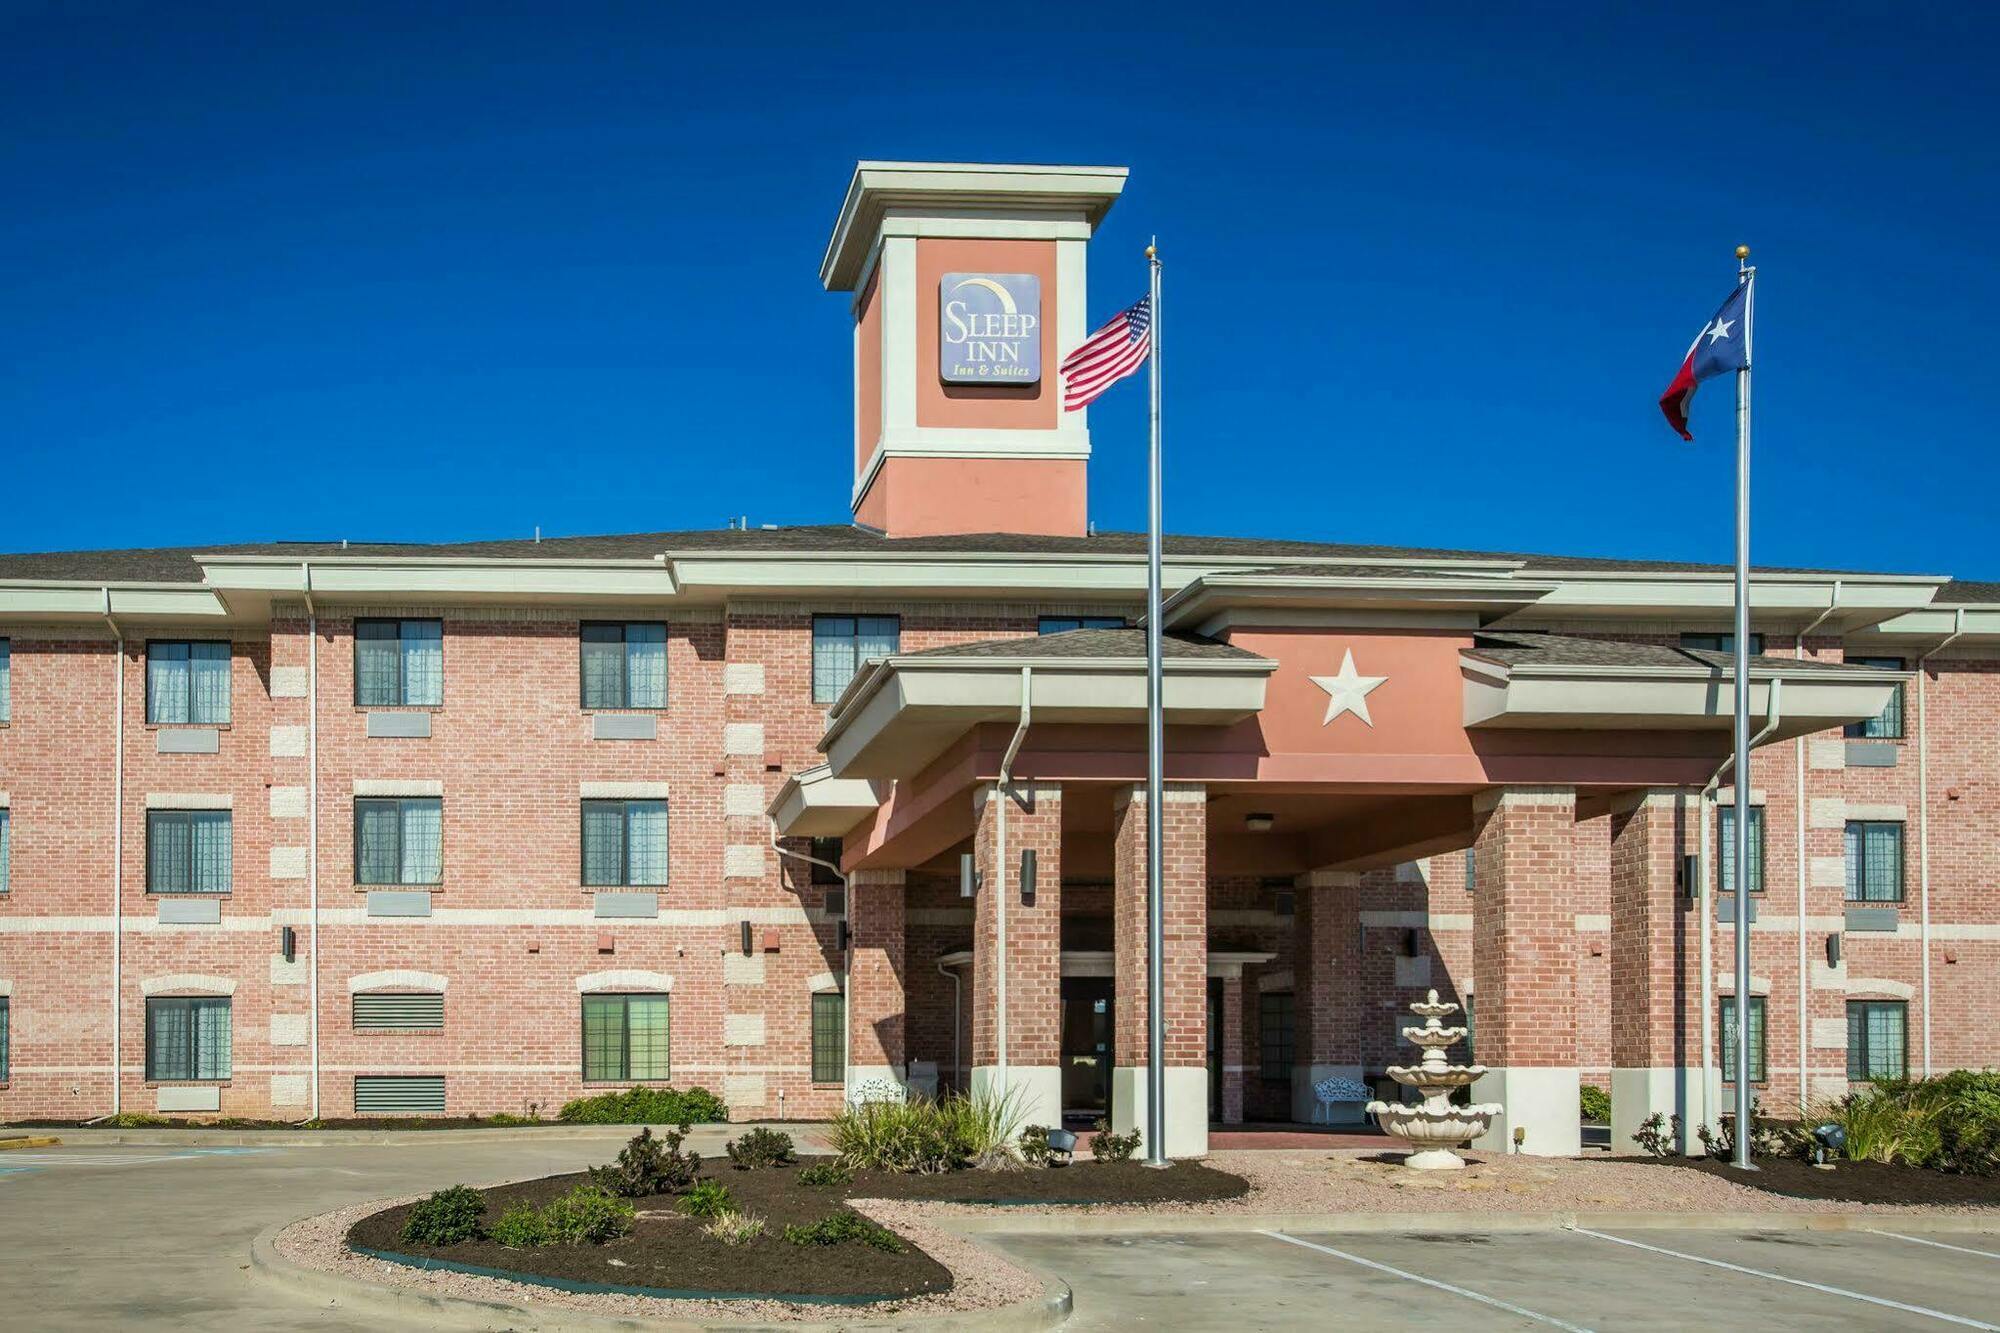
(1719, 330)
(1348, 691)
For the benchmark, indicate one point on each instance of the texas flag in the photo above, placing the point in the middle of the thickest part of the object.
(1717, 348)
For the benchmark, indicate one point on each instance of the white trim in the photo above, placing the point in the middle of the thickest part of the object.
(6, 987)
(398, 787)
(612, 791)
(623, 979)
(188, 800)
(820, 983)
(196, 982)
(397, 979)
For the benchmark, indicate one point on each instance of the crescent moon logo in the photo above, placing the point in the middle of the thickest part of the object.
(1006, 297)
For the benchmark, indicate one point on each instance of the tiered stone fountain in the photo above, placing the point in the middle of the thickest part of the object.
(1433, 1127)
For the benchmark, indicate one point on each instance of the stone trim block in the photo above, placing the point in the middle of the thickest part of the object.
(190, 800)
(744, 861)
(742, 969)
(743, 1029)
(195, 983)
(744, 800)
(743, 678)
(623, 978)
(288, 802)
(744, 739)
(288, 1029)
(288, 863)
(622, 791)
(288, 742)
(398, 787)
(288, 682)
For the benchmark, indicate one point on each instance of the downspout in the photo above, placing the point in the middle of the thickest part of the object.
(1799, 812)
(117, 859)
(846, 956)
(1924, 831)
(1000, 786)
(312, 824)
(1706, 807)
(957, 1019)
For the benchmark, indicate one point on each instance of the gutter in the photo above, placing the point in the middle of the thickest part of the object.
(117, 857)
(1000, 786)
(1773, 714)
(957, 1019)
(1799, 813)
(1924, 830)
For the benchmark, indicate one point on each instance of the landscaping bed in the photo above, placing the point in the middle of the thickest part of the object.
(1847, 1182)
(1082, 1182)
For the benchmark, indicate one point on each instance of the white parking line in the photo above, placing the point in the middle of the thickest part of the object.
(1428, 1282)
(1792, 1281)
(1919, 1240)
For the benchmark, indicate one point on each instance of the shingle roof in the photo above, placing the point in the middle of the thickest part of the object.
(1534, 648)
(175, 564)
(1968, 590)
(1088, 643)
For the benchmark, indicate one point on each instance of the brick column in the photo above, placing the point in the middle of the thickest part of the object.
(1655, 1007)
(1184, 899)
(875, 1002)
(1326, 993)
(1524, 966)
(1231, 1041)
(1031, 1063)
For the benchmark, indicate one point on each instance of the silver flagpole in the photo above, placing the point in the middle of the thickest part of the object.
(1746, 276)
(1156, 1022)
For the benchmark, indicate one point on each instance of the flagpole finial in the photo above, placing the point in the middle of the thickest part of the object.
(1742, 252)
(1152, 251)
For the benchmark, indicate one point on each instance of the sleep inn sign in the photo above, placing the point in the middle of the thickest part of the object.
(990, 328)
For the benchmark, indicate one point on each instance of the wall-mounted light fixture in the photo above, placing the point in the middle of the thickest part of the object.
(1833, 950)
(968, 878)
(746, 937)
(1259, 822)
(1027, 877)
(288, 943)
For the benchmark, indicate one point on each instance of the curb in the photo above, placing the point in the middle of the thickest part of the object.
(1083, 1223)
(326, 1290)
(13, 1144)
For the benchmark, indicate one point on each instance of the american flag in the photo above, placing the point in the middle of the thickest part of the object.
(1108, 355)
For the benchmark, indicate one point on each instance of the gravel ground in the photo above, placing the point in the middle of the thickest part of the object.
(981, 1278)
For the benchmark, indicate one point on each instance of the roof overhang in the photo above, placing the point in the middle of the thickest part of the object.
(953, 188)
(1214, 602)
(1833, 603)
(61, 603)
(815, 804)
(899, 713)
(1645, 698)
(248, 582)
(1926, 630)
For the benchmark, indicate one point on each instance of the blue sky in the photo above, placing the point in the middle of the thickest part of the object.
(297, 272)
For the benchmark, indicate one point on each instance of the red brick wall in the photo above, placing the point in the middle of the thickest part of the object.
(1034, 932)
(1184, 909)
(1524, 930)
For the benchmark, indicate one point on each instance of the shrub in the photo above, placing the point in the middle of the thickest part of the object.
(1035, 1145)
(759, 1147)
(926, 1137)
(446, 1218)
(708, 1198)
(844, 1226)
(1108, 1147)
(1767, 1137)
(735, 1228)
(1658, 1135)
(825, 1175)
(1595, 1105)
(646, 1106)
(647, 1166)
(587, 1215)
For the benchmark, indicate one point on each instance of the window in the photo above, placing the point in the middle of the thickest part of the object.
(398, 662)
(1720, 643)
(829, 1036)
(826, 849)
(1877, 1040)
(1874, 861)
(624, 1037)
(1756, 1039)
(398, 1009)
(842, 643)
(624, 842)
(1725, 859)
(188, 851)
(187, 682)
(1274, 1029)
(187, 1039)
(624, 665)
(6, 1033)
(399, 840)
(1888, 724)
(6, 680)
(6, 848)
(1063, 624)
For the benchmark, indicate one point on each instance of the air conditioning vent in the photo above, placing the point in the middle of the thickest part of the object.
(398, 1094)
(384, 1009)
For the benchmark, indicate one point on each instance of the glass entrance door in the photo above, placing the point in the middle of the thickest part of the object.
(1086, 1046)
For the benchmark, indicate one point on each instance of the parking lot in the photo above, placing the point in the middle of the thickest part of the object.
(132, 1237)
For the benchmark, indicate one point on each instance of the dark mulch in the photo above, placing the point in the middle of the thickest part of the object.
(1847, 1182)
(1079, 1183)
(669, 1251)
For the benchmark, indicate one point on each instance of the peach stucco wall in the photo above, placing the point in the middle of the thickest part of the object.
(927, 497)
(867, 373)
(989, 406)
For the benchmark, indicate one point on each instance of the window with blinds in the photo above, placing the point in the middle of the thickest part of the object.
(187, 1039)
(188, 851)
(1756, 1026)
(625, 844)
(1878, 1040)
(1874, 861)
(403, 1010)
(399, 840)
(398, 662)
(1725, 857)
(398, 1094)
(1888, 724)
(829, 1037)
(841, 644)
(187, 682)
(625, 1037)
(1275, 1035)
(624, 664)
